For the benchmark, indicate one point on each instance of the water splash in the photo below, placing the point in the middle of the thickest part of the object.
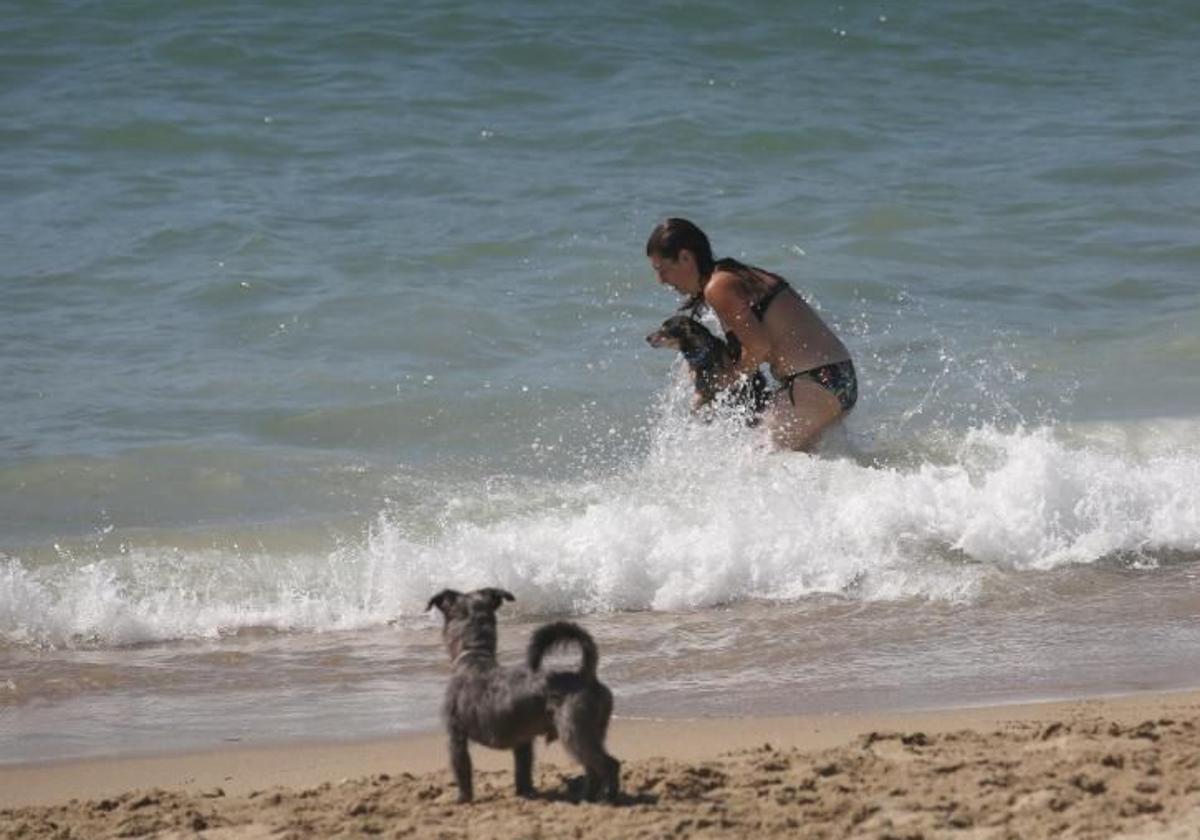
(708, 516)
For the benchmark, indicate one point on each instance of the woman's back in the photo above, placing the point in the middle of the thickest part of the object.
(800, 340)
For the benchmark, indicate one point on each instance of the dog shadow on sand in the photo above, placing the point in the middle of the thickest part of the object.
(572, 790)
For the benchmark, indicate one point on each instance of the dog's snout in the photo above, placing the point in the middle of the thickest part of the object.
(664, 336)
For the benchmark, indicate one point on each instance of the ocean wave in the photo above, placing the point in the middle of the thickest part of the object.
(707, 517)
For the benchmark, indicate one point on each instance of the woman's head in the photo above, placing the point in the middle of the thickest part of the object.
(673, 236)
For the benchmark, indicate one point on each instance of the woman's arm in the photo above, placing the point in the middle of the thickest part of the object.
(729, 300)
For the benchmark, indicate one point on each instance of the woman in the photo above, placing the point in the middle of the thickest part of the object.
(772, 323)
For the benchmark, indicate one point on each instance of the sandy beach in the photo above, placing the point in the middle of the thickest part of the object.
(1112, 767)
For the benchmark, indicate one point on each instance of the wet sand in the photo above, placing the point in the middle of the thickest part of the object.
(1115, 767)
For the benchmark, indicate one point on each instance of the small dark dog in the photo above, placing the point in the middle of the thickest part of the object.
(507, 708)
(708, 357)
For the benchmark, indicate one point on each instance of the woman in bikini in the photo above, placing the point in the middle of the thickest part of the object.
(772, 323)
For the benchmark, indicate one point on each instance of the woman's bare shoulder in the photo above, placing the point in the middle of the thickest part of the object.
(725, 286)
(727, 295)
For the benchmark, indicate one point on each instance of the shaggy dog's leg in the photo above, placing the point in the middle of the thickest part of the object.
(460, 760)
(603, 772)
(523, 769)
(603, 775)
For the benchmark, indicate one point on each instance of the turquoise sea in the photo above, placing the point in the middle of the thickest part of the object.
(310, 310)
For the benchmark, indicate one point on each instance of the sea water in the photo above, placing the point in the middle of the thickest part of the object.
(310, 310)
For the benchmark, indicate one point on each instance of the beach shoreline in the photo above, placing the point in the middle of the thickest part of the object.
(1086, 746)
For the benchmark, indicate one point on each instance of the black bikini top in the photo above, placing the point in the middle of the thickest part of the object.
(759, 307)
(693, 304)
(748, 273)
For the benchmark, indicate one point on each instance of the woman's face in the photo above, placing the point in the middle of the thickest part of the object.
(679, 273)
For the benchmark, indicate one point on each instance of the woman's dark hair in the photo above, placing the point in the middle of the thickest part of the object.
(673, 235)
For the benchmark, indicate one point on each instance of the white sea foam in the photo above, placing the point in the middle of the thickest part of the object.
(708, 516)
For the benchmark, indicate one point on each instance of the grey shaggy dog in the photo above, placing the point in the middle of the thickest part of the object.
(507, 708)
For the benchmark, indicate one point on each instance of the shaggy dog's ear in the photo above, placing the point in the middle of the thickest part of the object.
(497, 596)
(443, 600)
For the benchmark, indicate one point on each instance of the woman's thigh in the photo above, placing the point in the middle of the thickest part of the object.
(797, 423)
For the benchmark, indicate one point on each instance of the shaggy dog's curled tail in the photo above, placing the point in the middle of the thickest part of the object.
(562, 632)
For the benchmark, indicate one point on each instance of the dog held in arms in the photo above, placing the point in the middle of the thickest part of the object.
(507, 708)
(708, 358)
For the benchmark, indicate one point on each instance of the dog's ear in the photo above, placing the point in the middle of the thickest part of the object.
(443, 600)
(497, 596)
